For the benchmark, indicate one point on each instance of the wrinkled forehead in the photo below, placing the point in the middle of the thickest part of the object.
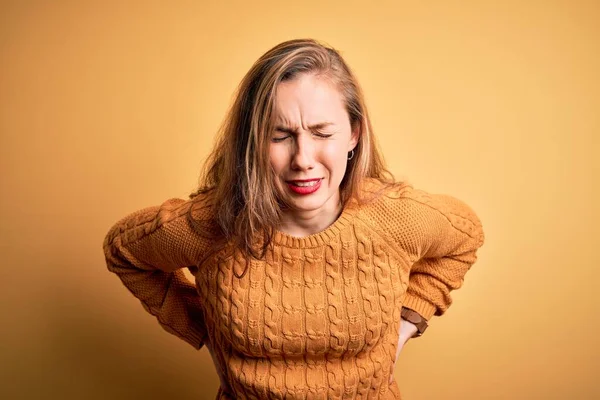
(308, 100)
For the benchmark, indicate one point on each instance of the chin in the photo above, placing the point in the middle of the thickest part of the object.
(308, 204)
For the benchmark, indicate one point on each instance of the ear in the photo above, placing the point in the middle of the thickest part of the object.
(354, 138)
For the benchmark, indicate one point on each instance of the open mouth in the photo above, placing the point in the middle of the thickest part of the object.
(307, 183)
(305, 186)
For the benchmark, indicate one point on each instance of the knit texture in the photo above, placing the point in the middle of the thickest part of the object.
(319, 316)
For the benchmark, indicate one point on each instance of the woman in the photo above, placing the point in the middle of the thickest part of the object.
(312, 266)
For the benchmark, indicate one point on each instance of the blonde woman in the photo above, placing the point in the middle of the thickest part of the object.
(312, 265)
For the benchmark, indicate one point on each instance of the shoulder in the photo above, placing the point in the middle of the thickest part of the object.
(379, 200)
(200, 214)
(412, 215)
(387, 207)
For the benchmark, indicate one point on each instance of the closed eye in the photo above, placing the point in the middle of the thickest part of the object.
(289, 132)
(279, 139)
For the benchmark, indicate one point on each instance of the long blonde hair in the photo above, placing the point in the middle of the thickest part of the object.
(238, 174)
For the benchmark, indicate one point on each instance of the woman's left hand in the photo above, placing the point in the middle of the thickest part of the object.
(407, 331)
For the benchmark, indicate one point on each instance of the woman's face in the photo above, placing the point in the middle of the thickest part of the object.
(310, 144)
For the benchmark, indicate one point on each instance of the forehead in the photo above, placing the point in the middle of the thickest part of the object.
(308, 99)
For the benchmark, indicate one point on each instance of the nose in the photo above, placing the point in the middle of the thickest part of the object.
(304, 153)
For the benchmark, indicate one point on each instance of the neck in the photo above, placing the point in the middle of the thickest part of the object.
(304, 223)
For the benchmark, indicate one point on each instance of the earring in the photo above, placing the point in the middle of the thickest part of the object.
(351, 154)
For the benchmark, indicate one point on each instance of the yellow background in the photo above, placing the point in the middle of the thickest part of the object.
(108, 107)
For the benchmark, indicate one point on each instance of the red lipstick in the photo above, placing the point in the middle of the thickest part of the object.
(304, 186)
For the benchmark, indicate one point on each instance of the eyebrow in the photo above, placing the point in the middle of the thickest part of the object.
(295, 129)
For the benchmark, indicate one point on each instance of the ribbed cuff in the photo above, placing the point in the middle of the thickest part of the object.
(423, 307)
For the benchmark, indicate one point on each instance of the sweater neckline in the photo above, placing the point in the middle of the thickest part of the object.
(318, 238)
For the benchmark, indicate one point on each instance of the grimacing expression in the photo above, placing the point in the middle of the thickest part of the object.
(310, 143)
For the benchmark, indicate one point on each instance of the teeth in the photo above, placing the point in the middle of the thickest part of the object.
(306, 184)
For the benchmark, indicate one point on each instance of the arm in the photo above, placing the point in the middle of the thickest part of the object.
(147, 251)
(450, 237)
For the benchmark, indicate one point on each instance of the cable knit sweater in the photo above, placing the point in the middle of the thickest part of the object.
(319, 316)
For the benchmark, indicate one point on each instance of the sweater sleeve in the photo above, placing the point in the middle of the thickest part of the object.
(449, 233)
(439, 235)
(147, 250)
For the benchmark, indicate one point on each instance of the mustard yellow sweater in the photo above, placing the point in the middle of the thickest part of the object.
(318, 317)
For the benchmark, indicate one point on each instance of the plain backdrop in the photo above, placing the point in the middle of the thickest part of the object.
(107, 107)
